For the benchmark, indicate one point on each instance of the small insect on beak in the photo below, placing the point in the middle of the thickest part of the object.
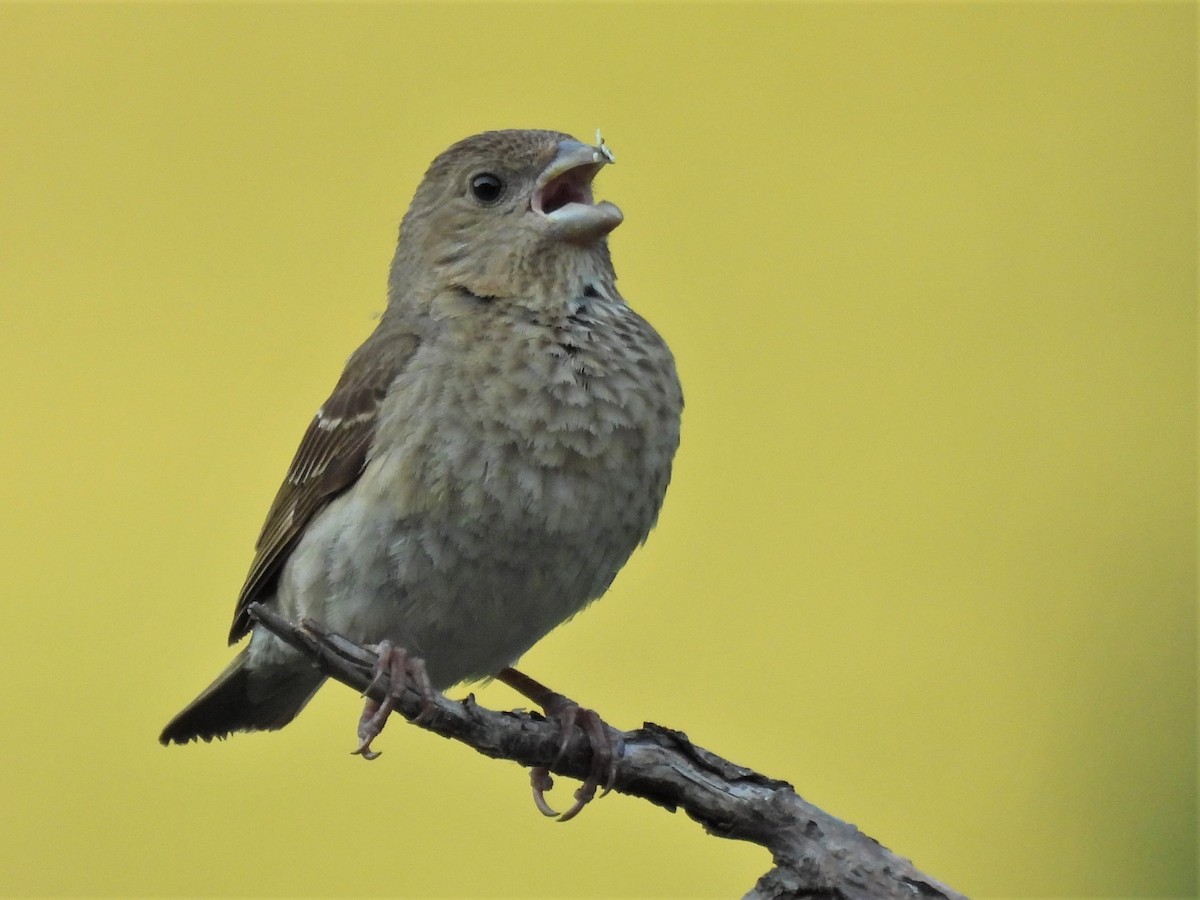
(563, 193)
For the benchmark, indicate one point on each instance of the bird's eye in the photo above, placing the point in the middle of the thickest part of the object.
(487, 188)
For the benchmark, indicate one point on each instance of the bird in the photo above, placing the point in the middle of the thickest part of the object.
(487, 462)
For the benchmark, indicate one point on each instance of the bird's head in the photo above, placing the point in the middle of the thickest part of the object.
(502, 209)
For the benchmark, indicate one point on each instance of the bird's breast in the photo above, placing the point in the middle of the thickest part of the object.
(557, 419)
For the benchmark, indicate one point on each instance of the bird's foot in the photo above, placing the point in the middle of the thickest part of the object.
(603, 770)
(395, 671)
(567, 713)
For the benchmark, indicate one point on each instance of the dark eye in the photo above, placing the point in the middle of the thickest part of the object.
(487, 188)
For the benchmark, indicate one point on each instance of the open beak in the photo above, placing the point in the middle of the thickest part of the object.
(563, 194)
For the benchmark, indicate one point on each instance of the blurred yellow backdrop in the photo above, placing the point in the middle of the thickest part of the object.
(930, 275)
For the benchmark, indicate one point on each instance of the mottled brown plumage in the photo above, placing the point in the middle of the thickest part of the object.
(492, 453)
(330, 458)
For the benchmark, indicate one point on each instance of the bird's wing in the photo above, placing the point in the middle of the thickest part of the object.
(329, 460)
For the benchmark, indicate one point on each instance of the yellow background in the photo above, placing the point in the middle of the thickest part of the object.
(929, 272)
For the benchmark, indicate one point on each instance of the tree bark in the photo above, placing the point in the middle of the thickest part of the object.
(815, 853)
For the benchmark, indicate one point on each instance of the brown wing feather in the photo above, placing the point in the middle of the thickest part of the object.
(330, 458)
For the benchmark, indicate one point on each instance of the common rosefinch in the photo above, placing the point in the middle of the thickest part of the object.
(490, 457)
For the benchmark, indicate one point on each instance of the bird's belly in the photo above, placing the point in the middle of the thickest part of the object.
(467, 586)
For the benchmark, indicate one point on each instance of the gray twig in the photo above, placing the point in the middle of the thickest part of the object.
(815, 854)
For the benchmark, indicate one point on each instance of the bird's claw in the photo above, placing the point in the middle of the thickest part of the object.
(370, 724)
(540, 780)
(604, 741)
(394, 671)
(603, 769)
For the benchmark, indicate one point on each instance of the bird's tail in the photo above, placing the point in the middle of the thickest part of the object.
(245, 698)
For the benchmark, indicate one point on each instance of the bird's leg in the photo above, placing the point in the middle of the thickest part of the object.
(568, 713)
(395, 670)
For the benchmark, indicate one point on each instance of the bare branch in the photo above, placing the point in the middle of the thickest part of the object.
(815, 854)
